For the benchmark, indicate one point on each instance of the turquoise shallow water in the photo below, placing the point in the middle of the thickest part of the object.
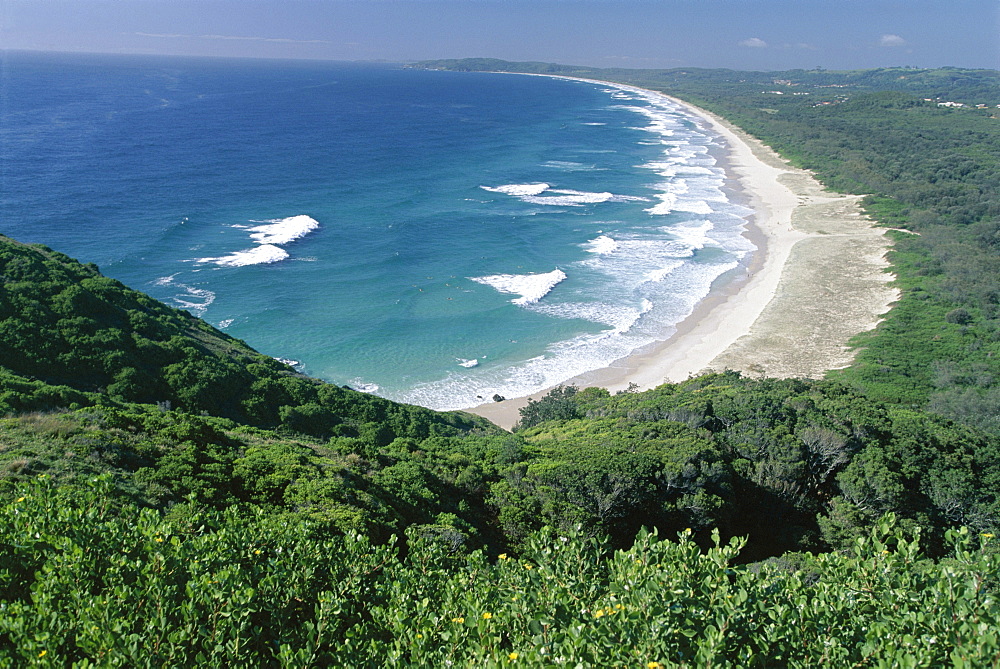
(435, 237)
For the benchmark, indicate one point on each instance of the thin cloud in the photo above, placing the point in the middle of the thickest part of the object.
(160, 35)
(891, 40)
(281, 40)
(803, 46)
(754, 42)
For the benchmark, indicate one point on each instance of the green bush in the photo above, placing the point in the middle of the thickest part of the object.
(87, 583)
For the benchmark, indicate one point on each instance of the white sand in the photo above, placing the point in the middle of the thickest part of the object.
(817, 279)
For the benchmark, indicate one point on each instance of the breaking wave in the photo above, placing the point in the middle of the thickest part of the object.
(271, 235)
(530, 287)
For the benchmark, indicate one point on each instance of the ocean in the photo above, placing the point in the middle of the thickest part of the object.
(434, 237)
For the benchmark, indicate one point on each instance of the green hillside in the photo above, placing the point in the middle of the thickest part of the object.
(72, 337)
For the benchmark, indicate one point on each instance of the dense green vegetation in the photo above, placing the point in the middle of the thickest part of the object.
(174, 498)
(88, 582)
(791, 464)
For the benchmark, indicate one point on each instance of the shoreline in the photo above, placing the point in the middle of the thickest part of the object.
(817, 278)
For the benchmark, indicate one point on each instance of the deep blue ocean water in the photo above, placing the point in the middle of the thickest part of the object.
(435, 237)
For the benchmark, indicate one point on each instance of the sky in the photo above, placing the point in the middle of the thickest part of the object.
(737, 34)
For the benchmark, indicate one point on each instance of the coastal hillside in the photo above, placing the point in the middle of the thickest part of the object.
(170, 494)
(98, 379)
(72, 337)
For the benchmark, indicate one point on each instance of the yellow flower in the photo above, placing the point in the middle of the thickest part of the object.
(502, 556)
(21, 499)
(257, 552)
(487, 615)
(42, 654)
(985, 535)
(528, 566)
(653, 665)
(512, 656)
(599, 613)
(159, 539)
(420, 636)
(458, 620)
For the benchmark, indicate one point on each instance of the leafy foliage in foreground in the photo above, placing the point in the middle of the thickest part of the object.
(87, 582)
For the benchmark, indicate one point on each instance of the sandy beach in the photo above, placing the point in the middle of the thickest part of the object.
(817, 279)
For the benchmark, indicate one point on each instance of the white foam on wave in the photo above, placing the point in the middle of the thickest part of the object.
(260, 255)
(686, 154)
(518, 190)
(694, 232)
(164, 280)
(364, 386)
(619, 317)
(271, 236)
(669, 203)
(658, 275)
(530, 287)
(462, 362)
(631, 326)
(195, 300)
(601, 245)
(641, 260)
(646, 257)
(666, 205)
(569, 198)
(570, 166)
(694, 194)
(543, 193)
(281, 231)
(561, 361)
(672, 168)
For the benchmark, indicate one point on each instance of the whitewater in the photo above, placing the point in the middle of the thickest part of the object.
(437, 238)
